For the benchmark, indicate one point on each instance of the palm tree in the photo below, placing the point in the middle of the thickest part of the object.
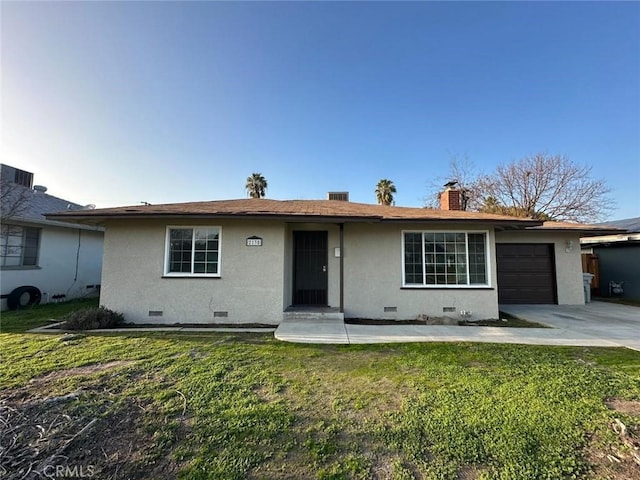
(256, 185)
(384, 192)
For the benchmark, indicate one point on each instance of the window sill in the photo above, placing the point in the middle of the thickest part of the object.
(442, 287)
(18, 267)
(211, 277)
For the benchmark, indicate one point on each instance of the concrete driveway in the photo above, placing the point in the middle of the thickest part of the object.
(618, 324)
(596, 324)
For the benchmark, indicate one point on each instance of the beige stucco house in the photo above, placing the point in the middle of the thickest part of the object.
(253, 260)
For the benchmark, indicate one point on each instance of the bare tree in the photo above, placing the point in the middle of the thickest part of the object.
(541, 186)
(545, 187)
(14, 200)
(464, 173)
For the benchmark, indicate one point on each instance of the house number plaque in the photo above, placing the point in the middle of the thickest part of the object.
(254, 242)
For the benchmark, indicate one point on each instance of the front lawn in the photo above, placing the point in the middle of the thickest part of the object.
(247, 406)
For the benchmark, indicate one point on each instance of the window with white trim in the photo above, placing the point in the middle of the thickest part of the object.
(445, 259)
(193, 251)
(19, 246)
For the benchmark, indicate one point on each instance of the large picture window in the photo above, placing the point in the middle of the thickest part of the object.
(193, 251)
(444, 259)
(19, 246)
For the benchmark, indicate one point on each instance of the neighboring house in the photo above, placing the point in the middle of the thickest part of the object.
(615, 259)
(254, 260)
(43, 260)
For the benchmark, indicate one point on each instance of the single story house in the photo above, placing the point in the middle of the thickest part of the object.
(615, 259)
(254, 260)
(43, 260)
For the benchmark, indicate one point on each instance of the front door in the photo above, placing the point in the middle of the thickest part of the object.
(310, 268)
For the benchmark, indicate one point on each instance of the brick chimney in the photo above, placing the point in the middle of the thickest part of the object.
(451, 199)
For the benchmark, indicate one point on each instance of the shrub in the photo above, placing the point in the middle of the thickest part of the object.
(92, 318)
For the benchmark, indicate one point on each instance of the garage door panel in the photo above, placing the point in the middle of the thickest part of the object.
(526, 273)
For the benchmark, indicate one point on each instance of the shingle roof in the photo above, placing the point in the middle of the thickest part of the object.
(37, 204)
(631, 225)
(583, 228)
(293, 210)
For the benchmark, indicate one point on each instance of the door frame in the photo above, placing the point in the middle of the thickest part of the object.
(325, 274)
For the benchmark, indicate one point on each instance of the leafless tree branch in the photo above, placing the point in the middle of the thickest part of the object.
(540, 186)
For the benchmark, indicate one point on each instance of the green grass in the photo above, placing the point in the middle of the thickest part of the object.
(39, 315)
(246, 406)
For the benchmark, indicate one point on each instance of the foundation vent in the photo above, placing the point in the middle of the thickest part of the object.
(220, 314)
(390, 309)
(155, 313)
(448, 309)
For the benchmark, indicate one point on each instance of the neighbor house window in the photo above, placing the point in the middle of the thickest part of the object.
(19, 246)
(444, 259)
(193, 251)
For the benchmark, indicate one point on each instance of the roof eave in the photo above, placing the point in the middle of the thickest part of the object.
(101, 219)
(46, 222)
(584, 232)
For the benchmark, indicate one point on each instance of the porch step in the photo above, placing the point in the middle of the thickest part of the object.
(313, 315)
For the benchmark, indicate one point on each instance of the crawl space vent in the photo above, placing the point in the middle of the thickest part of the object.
(390, 309)
(155, 313)
(448, 309)
(220, 314)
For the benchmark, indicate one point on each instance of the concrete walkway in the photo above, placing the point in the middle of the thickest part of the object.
(596, 324)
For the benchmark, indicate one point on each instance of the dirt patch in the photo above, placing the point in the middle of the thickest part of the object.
(471, 473)
(629, 407)
(620, 459)
(76, 371)
(61, 440)
(95, 431)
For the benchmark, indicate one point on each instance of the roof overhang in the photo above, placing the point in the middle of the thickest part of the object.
(102, 219)
(67, 223)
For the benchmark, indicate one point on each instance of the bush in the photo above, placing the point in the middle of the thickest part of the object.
(92, 318)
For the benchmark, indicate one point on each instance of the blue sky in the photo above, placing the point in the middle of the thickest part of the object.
(117, 103)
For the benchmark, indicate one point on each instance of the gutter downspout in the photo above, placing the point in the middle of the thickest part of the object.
(341, 267)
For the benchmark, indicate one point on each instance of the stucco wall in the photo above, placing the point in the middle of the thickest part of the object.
(61, 249)
(373, 278)
(256, 282)
(568, 263)
(249, 290)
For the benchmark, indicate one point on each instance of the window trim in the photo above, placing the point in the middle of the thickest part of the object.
(424, 285)
(21, 266)
(167, 252)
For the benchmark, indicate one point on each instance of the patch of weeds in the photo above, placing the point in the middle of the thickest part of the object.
(321, 441)
(350, 466)
(92, 319)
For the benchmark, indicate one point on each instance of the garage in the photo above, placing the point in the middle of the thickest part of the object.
(526, 273)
